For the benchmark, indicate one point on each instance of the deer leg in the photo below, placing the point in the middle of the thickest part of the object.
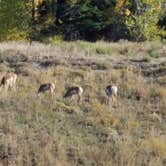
(74, 97)
(112, 97)
(52, 95)
(110, 100)
(107, 100)
(6, 87)
(15, 86)
(38, 95)
(79, 98)
(116, 100)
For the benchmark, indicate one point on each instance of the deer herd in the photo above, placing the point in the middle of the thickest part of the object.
(8, 81)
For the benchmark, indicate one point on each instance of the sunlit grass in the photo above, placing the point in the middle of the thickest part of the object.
(41, 131)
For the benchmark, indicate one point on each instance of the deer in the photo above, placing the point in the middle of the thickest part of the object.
(74, 91)
(111, 93)
(8, 81)
(45, 88)
(140, 93)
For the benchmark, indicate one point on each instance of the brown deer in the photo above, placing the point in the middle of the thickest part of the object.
(73, 91)
(140, 93)
(8, 81)
(45, 88)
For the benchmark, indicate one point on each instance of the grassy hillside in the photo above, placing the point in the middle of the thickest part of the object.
(39, 132)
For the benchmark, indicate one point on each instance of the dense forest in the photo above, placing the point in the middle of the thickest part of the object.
(40, 20)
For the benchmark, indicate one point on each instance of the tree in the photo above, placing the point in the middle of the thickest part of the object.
(92, 20)
(143, 24)
(82, 19)
(14, 19)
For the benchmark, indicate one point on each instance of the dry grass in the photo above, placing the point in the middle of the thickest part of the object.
(64, 132)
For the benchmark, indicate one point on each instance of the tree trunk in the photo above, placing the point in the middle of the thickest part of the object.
(32, 22)
(33, 11)
(54, 7)
(59, 4)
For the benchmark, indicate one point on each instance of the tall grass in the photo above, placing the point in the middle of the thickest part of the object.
(64, 132)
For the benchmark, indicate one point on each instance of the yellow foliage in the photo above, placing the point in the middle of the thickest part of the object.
(127, 12)
(132, 125)
(38, 2)
(156, 144)
(16, 34)
(110, 120)
(119, 5)
(97, 106)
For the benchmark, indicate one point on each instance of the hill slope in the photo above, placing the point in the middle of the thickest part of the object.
(37, 131)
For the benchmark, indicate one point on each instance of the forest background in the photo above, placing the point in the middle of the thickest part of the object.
(111, 20)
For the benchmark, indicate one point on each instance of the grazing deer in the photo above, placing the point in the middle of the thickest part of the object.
(140, 93)
(46, 87)
(111, 92)
(73, 91)
(8, 81)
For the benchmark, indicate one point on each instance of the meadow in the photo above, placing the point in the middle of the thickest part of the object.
(64, 132)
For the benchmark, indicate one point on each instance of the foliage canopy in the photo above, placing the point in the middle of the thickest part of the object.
(82, 19)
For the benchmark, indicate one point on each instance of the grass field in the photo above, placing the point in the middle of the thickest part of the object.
(63, 132)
